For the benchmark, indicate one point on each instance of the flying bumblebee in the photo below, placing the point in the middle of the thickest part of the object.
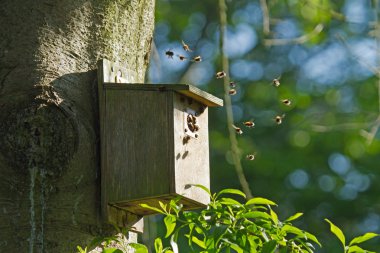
(169, 54)
(237, 129)
(186, 47)
(220, 74)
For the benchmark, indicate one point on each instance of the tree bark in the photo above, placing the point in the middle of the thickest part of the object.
(49, 122)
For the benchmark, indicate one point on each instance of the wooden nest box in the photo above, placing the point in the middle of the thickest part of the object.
(154, 142)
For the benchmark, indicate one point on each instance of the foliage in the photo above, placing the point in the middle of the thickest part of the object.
(114, 244)
(228, 225)
(352, 247)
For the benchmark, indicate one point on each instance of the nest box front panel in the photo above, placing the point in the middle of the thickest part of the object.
(138, 154)
(191, 148)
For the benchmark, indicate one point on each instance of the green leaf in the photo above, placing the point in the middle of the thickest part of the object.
(81, 250)
(357, 249)
(293, 217)
(158, 245)
(363, 238)
(170, 223)
(236, 248)
(152, 208)
(252, 243)
(210, 242)
(257, 214)
(229, 201)
(139, 248)
(112, 250)
(163, 206)
(337, 232)
(293, 230)
(260, 201)
(231, 191)
(197, 242)
(269, 247)
(203, 188)
(274, 216)
(313, 238)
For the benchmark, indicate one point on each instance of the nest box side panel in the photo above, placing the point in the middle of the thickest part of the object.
(191, 151)
(138, 157)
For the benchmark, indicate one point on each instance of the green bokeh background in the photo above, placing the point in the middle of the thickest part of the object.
(319, 160)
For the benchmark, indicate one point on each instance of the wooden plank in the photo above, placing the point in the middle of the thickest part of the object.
(102, 133)
(192, 164)
(123, 218)
(139, 161)
(186, 89)
(113, 72)
(108, 71)
(133, 206)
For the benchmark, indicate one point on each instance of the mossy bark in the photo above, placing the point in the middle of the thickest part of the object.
(49, 129)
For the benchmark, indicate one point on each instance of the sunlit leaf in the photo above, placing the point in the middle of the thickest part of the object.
(162, 205)
(158, 245)
(81, 250)
(260, 201)
(139, 248)
(274, 216)
(203, 188)
(293, 230)
(236, 248)
(257, 214)
(198, 242)
(363, 238)
(157, 210)
(229, 201)
(337, 232)
(231, 191)
(357, 249)
(293, 217)
(170, 223)
(252, 243)
(313, 238)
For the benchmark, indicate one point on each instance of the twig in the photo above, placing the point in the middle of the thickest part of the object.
(266, 18)
(299, 40)
(227, 99)
(365, 64)
(371, 135)
(339, 127)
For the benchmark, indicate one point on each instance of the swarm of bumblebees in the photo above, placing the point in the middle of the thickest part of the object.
(278, 119)
(170, 54)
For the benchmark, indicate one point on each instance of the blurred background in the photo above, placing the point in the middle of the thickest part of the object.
(323, 159)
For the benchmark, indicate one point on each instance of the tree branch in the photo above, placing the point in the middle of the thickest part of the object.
(266, 18)
(299, 40)
(236, 154)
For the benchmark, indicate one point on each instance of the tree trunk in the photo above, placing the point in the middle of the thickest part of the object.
(49, 122)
